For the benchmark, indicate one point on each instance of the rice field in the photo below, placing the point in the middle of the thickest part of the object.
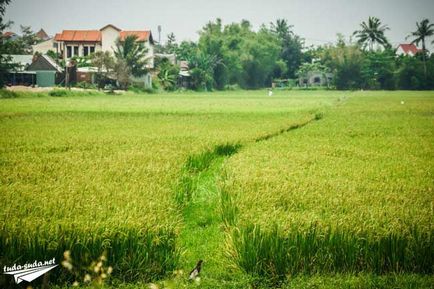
(95, 173)
(350, 193)
(304, 182)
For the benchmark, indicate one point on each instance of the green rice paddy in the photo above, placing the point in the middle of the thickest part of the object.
(305, 187)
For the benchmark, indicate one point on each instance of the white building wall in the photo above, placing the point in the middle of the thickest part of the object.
(98, 47)
(150, 54)
(400, 51)
(109, 36)
(145, 80)
(63, 46)
(80, 50)
(43, 47)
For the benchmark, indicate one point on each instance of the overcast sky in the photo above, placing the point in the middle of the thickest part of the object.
(317, 21)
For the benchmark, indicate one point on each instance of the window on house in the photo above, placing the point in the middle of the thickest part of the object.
(68, 51)
(76, 50)
(85, 50)
(92, 49)
(317, 80)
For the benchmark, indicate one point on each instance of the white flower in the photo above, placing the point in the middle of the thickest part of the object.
(67, 265)
(153, 286)
(87, 278)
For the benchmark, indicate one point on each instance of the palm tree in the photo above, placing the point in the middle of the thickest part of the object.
(372, 33)
(168, 74)
(202, 68)
(424, 30)
(133, 53)
(3, 4)
(281, 28)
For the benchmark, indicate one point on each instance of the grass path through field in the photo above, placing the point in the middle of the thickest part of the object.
(203, 234)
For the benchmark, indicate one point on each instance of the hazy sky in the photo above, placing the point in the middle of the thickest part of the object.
(317, 21)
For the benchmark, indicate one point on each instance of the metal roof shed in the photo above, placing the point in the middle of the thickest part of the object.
(46, 71)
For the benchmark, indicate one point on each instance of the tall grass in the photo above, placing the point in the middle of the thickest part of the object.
(228, 209)
(195, 165)
(313, 117)
(4, 93)
(133, 254)
(273, 254)
(200, 162)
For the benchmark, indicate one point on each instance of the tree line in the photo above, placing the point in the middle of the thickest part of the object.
(235, 55)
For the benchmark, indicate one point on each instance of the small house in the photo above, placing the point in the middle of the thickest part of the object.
(407, 49)
(42, 35)
(10, 36)
(48, 72)
(315, 78)
(184, 79)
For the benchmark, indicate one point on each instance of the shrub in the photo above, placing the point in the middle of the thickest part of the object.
(140, 89)
(58, 92)
(65, 92)
(7, 94)
(85, 85)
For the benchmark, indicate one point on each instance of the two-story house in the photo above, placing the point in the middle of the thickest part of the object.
(72, 43)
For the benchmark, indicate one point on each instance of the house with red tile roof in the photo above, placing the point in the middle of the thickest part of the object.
(72, 43)
(42, 35)
(407, 49)
(9, 35)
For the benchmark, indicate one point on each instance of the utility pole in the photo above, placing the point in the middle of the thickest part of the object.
(67, 74)
(68, 66)
(159, 34)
